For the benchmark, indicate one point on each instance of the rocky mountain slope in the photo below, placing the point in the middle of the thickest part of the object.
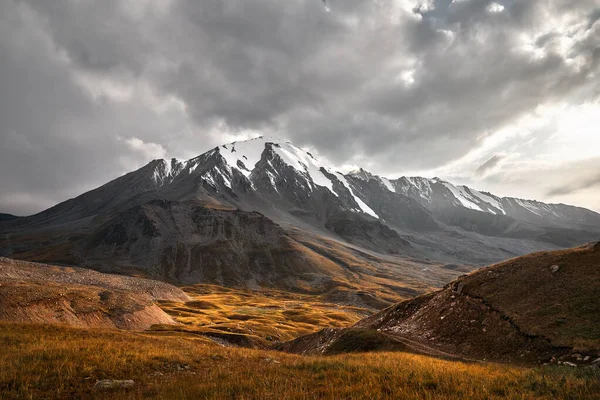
(437, 195)
(7, 217)
(246, 213)
(186, 242)
(39, 293)
(537, 308)
(490, 215)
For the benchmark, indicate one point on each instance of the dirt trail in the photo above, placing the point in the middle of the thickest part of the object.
(425, 349)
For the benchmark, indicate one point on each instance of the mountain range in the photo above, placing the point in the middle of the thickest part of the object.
(264, 212)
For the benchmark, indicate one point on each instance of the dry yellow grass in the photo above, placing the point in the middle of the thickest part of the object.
(53, 362)
(265, 316)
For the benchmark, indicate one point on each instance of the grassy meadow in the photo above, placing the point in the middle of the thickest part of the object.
(265, 317)
(53, 362)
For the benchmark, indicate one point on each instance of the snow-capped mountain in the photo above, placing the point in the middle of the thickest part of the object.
(277, 177)
(232, 214)
(441, 196)
(261, 164)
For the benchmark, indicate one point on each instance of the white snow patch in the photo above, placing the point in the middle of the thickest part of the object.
(363, 206)
(493, 202)
(166, 171)
(462, 196)
(168, 167)
(225, 178)
(529, 206)
(248, 152)
(272, 179)
(208, 178)
(192, 168)
(302, 161)
(388, 185)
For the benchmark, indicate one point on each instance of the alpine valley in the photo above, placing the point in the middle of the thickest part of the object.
(255, 271)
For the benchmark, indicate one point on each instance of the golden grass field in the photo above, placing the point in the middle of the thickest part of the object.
(52, 362)
(265, 316)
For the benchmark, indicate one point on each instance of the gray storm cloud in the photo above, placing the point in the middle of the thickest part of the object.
(489, 164)
(400, 85)
(575, 186)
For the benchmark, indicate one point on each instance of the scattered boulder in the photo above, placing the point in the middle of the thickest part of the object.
(569, 364)
(182, 367)
(459, 287)
(596, 361)
(554, 269)
(107, 384)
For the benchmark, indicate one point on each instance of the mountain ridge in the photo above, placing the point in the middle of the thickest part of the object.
(410, 231)
(164, 171)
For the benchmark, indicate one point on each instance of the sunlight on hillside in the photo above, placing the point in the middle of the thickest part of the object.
(58, 362)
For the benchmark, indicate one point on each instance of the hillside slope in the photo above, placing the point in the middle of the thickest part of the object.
(529, 309)
(7, 217)
(39, 293)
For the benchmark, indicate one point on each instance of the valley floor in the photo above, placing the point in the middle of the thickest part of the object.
(52, 362)
(257, 318)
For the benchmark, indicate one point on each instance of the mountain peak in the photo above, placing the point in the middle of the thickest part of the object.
(164, 171)
(361, 174)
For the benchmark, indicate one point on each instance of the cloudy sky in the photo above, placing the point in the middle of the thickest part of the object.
(503, 96)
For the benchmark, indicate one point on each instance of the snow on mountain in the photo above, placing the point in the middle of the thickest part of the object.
(363, 206)
(166, 170)
(460, 194)
(388, 184)
(288, 185)
(440, 194)
(362, 174)
(243, 156)
(270, 158)
(367, 176)
(490, 199)
(422, 189)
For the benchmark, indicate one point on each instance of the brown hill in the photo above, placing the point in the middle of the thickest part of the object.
(40, 293)
(528, 309)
